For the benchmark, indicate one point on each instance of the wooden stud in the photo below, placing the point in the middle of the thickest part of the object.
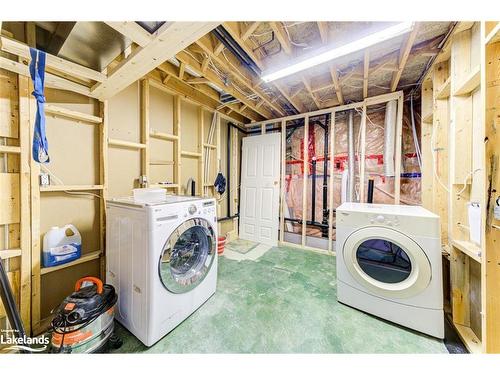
(144, 116)
(177, 143)
(362, 157)
(282, 186)
(24, 184)
(201, 160)
(323, 31)
(249, 30)
(103, 180)
(336, 84)
(304, 179)
(331, 171)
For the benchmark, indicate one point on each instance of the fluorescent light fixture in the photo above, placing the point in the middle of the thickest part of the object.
(357, 45)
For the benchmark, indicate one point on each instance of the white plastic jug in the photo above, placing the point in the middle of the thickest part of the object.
(61, 245)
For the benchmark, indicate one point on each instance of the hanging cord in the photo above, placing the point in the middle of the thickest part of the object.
(433, 152)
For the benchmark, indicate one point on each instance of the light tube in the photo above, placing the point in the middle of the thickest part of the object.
(357, 45)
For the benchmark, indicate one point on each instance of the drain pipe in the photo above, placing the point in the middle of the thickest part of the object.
(350, 159)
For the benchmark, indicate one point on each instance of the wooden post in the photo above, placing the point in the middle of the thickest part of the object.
(304, 179)
(144, 110)
(282, 187)
(331, 170)
(24, 184)
(362, 156)
(103, 180)
(177, 144)
(201, 159)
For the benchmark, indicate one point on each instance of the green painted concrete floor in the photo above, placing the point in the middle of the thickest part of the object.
(285, 302)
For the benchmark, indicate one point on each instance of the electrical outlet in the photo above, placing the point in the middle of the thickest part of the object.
(44, 179)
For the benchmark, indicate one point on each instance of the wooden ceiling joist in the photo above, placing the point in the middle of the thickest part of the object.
(323, 31)
(187, 59)
(133, 31)
(282, 37)
(307, 85)
(403, 57)
(366, 71)
(249, 30)
(171, 38)
(238, 72)
(336, 84)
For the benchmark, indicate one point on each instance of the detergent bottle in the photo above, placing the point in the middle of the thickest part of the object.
(61, 245)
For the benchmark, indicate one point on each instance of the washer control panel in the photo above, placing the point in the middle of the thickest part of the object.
(390, 220)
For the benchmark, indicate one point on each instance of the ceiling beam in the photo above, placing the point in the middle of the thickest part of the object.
(249, 30)
(282, 37)
(220, 47)
(286, 94)
(200, 93)
(323, 31)
(185, 58)
(403, 57)
(366, 72)
(171, 38)
(307, 85)
(133, 31)
(335, 79)
(237, 71)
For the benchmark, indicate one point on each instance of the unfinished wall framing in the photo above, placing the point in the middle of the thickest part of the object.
(303, 238)
(458, 141)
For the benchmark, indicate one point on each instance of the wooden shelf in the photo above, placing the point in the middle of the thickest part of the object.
(125, 144)
(493, 36)
(10, 149)
(60, 111)
(84, 258)
(190, 154)
(472, 343)
(468, 248)
(163, 136)
(428, 117)
(470, 83)
(70, 188)
(10, 253)
(208, 145)
(444, 91)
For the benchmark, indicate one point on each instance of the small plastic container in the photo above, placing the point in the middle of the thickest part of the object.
(61, 245)
(149, 195)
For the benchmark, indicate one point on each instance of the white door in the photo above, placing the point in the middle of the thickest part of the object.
(260, 176)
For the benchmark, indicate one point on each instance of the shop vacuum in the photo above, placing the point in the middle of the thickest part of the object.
(84, 321)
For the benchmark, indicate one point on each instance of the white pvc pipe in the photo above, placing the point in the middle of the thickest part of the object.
(350, 157)
(390, 137)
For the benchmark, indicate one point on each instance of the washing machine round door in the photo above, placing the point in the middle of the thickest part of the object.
(387, 262)
(187, 256)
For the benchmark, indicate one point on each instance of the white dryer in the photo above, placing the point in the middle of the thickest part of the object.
(162, 261)
(389, 264)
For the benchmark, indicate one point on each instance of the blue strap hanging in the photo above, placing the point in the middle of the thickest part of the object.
(37, 72)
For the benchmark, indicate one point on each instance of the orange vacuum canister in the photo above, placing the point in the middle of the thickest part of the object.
(84, 321)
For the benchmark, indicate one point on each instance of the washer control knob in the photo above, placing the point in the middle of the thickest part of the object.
(380, 219)
(192, 209)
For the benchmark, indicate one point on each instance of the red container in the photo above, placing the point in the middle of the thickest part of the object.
(221, 242)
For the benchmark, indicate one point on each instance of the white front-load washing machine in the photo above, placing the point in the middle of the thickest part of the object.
(389, 264)
(162, 260)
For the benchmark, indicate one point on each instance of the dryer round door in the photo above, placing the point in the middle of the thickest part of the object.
(387, 262)
(187, 256)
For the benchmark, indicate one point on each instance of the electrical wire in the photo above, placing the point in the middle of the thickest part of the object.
(44, 167)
